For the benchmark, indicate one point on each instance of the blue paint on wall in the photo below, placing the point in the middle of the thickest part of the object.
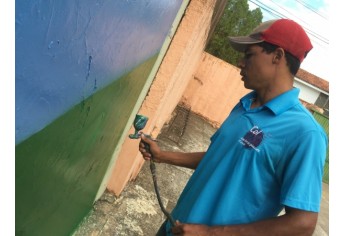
(66, 50)
(80, 69)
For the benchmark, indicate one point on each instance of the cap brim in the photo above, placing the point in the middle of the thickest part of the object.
(241, 43)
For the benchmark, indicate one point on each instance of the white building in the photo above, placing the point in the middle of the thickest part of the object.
(314, 90)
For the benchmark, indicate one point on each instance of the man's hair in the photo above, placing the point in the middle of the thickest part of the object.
(292, 62)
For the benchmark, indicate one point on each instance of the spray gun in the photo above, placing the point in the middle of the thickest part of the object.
(139, 124)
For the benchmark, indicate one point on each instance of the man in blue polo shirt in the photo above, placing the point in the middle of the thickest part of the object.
(267, 156)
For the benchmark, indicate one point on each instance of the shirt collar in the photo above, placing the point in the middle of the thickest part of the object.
(277, 105)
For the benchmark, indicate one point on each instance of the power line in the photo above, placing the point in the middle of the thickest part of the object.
(310, 7)
(268, 9)
(275, 13)
(281, 7)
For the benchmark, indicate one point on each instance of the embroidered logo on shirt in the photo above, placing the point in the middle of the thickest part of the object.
(253, 138)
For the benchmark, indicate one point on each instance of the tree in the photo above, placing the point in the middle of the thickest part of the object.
(236, 20)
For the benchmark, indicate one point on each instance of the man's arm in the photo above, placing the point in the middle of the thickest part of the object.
(188, 160)
(294, 222)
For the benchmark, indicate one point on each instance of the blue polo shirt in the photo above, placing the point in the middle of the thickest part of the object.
(258, 161)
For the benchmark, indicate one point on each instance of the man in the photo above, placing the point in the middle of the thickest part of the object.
(267, 156)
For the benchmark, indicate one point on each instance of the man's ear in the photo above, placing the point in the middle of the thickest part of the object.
(279, 54)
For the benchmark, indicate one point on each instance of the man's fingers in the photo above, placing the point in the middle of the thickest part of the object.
(145, 139)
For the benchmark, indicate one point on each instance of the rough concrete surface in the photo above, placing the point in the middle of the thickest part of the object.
(136, 212)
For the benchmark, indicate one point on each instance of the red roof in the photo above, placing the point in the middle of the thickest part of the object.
(313, 80)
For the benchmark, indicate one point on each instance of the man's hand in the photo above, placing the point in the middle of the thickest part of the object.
(295, 222)
(190, 229)
(154, 148)
(187, 160)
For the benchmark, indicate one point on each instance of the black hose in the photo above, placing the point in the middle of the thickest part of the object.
(154, 177)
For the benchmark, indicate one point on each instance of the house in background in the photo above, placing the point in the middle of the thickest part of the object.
(314, 91)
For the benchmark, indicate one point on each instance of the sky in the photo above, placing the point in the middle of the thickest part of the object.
(313, 16)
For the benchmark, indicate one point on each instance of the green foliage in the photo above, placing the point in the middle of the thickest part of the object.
(237, 20)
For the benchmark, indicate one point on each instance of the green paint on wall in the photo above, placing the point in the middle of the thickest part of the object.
(59, 169)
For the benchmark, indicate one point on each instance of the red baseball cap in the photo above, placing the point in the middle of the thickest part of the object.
(284, 33)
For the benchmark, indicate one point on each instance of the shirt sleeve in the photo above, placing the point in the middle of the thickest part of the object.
(303, 171)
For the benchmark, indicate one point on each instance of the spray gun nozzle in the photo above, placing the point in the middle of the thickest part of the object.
(139, 124)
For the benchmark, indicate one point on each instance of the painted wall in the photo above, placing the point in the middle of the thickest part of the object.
(177, 68)
(214, 90)
(80, 69)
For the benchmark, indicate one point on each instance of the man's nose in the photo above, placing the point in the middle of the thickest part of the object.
(240, 63)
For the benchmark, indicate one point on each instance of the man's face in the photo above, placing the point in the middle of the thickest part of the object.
(257, 68)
